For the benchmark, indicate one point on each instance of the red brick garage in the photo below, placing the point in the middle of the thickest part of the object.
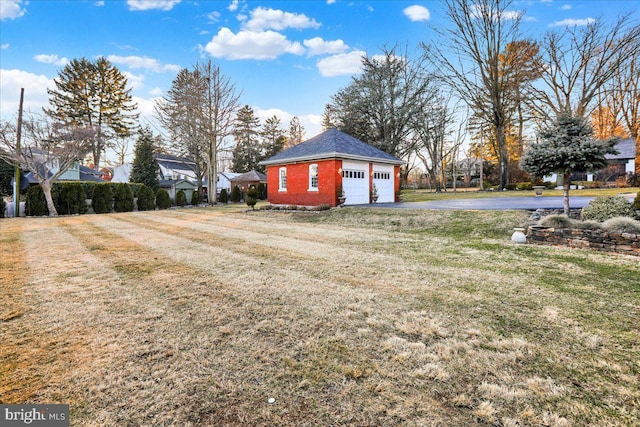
(310, 173)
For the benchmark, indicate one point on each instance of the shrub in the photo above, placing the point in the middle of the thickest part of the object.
(181, 198)
(36, 203)
(102, 200)
(196, 198)
(556, 221)
(252, 197)
(88, 187)
(163, 201)
(123, 198)
(71, 198)
(524, 186)
(636, 202)
(622, 224)
(604, 207)
(3, 206)
(146, 199)
(236, 194)
(135, 188)
(587, 225)
(262, 191)
(224, 196)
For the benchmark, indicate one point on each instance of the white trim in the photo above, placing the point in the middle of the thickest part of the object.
(312, 176)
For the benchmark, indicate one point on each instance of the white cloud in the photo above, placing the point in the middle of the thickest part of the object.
(11, 9)
(233, 6)
(319, 46)
(573, 22)
(417, 13)
(341, 64)
(152, 4)
(312, 123)
(51, 59)
(331, 1)
(137, 62)
(251, 45)
(35, 92)
(213, 16)
(4, 46)
(476, 12)
(273, 19)
(99, 3)
(134, 81)
(565, 7)
(156, 91)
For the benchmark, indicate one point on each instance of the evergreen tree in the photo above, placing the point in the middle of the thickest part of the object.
(296, 132)
(145, 169)
(247, 152)
(566, 146)
(93, 94)
(273, 138)
(146, 199)
(123, 198)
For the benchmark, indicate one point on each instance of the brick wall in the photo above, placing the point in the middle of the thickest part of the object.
(297, 192)
(624, 243)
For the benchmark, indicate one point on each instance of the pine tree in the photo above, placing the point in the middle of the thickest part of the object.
(566, 146)
(95, 95)
(296, 132)
(273, 137)
(145, 169)
(247, 152)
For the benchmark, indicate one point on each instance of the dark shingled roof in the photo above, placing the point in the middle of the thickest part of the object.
(332, 144)
(250, 177)
(626, 148)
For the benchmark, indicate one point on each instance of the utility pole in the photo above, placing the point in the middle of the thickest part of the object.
(16, 176)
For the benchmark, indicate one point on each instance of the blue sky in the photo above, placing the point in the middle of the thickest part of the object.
(287, 57)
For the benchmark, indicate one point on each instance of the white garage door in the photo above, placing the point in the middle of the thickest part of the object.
(355, 182)
(383, 179)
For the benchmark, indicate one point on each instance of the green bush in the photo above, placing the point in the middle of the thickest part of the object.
(196, 198)
(36, 203)
(224, 196)
(622, 224)
(3, 206)
(556, 221)
(604, 207)
(123, 198)
(88, 187)
(181, 198)
(163, 201)
(71, 198)
(636, 202)
(252, 197)
(135, 188)
(262, 191)
(524, 186)
(102, 200)
(236, 194)
(587, 225)
(146, 199)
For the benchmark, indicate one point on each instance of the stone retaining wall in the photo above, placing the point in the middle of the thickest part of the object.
(600, 240)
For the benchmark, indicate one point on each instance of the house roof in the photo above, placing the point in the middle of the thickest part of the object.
(626, 148)
(332, 144)
(250, 177)
(88, 174)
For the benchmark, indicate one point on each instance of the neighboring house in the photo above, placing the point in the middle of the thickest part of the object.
(310, 173)
(76, 172)
(248, 179)
(121, 173)
(626, 155)
(224, 180)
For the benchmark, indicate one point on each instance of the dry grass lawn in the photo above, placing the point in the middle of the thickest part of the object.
(360, 317)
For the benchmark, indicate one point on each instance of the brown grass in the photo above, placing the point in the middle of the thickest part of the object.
(200, 316)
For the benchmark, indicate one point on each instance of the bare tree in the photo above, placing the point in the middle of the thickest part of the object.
(296, 132)
(579, 61)
(47, 150)
(380, 105)
(469, 57)
(221, 101)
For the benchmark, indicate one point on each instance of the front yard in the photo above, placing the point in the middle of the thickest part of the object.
(345, 317)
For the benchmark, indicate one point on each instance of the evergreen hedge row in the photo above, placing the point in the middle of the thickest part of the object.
(146, 199)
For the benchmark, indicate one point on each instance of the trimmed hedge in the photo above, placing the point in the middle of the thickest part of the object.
(236, 194)
(36, 203)
(262, 191)
(181, 198)
(102, 201)
(146, 199)
(71, 198)
(123, 198)
(224, 196)
(3, 206)
(163, 201)
(196, 198)
(252, 197)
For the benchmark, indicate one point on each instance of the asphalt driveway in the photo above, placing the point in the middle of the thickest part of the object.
(496, 203)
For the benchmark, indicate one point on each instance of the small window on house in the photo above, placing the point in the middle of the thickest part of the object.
(283, 179)
(313, 177)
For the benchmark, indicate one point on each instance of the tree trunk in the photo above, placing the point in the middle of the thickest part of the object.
(565, 192)
(504, 157)
(46, 189)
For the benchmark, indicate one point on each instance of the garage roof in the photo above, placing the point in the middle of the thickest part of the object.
(332, 144)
